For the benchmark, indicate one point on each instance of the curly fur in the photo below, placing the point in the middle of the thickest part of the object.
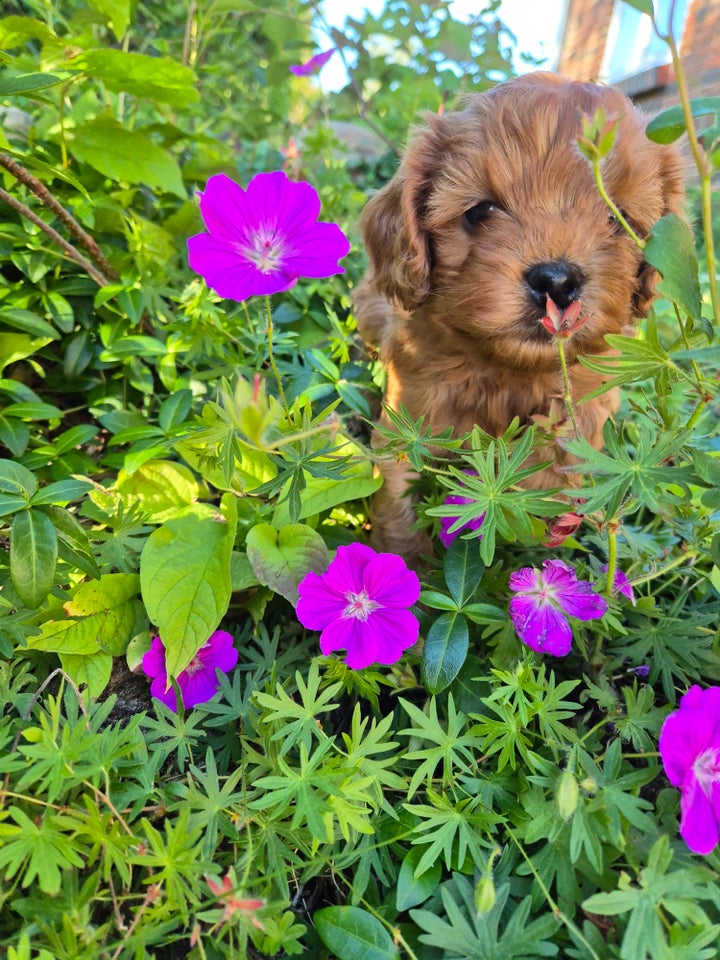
(448, 301)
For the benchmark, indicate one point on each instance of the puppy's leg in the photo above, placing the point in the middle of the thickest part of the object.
(392, 513)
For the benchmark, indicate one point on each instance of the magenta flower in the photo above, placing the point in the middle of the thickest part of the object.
(361, 606)
(544, 597)
(690, 750)
(621, 584)
(313, 64)
(261, 240)
(446, 535)
(198, 682)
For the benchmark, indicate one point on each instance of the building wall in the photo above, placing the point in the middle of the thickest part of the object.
(583, 45)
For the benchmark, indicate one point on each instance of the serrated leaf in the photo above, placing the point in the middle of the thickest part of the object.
(185, 579)
(444, 652)
(33, 556)
(126, 155)
(148, 78)
(670, 248)
(281, 558)
(351, 932)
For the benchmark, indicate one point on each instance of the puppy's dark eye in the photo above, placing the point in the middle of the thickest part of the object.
(615, 223)
(479, 213)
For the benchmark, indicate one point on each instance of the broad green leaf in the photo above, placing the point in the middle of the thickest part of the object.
(242, 575)
(281, 558)
(16, 480)
(92, 672)
(670, 124)
(28, 322)
(17, 346)
(15, 31)
(148, 78)
(61, 492)
(14, 434)
(73, 541)
(463, 570)
(444, 652)
(33, 556)
(160, 488)
(33, 411)
(126, 155)
(133, 346)
(323, 493)
(643, 6)
(101, 619)
(174, 409)
(412, 890)
(671, 250)
(27, 83)
(351, 933)
(185, 579)
(118, 14)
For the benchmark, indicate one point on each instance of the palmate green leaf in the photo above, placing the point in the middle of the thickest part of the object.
(40, 849)
(126, 155)
(638, 359)
(492, 486)
(452, 748)
(452, 829)
(351, 933)
(498, 934)
(298, 722)
(649, 473)
(185, 578)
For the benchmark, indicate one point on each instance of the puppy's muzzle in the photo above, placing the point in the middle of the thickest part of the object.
(560, 280)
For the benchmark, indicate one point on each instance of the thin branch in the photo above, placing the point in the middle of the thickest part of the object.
(43, 194)
(68, 249)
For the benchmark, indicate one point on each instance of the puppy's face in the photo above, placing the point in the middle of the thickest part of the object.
(494, 209)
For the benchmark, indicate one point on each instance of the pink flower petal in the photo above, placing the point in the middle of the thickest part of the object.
(542, 627)
(389, 582)
(699, 818)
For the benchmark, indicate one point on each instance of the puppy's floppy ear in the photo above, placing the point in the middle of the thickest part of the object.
(672, 183)
(393, 222)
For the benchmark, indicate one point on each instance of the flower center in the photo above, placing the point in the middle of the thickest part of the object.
(707, 769)
(196, 663)
(359, 605)
(265, 250)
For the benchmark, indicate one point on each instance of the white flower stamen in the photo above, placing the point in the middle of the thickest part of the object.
(707, 770)
(359, 605)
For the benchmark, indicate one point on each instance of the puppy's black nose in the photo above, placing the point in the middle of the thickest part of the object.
(560, 280)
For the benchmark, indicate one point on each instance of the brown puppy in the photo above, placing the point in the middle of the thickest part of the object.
(493, 210)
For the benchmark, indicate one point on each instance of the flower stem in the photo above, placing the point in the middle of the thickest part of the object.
(612, 560)
(638, 241)
(566, 386)
(271, 355)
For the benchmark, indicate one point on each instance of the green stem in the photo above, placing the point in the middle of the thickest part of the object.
(555, 908)
(271, 355)
(569, 406)
(612, 560)
(703, 168)
(617, 213)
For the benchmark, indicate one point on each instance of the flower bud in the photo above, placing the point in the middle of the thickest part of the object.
(567, 794)
(484, 894)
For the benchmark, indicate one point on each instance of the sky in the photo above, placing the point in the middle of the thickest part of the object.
(535, 23)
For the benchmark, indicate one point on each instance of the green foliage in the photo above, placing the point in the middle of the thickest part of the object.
(472, 801)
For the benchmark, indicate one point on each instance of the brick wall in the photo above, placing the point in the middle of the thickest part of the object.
(583, 44)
